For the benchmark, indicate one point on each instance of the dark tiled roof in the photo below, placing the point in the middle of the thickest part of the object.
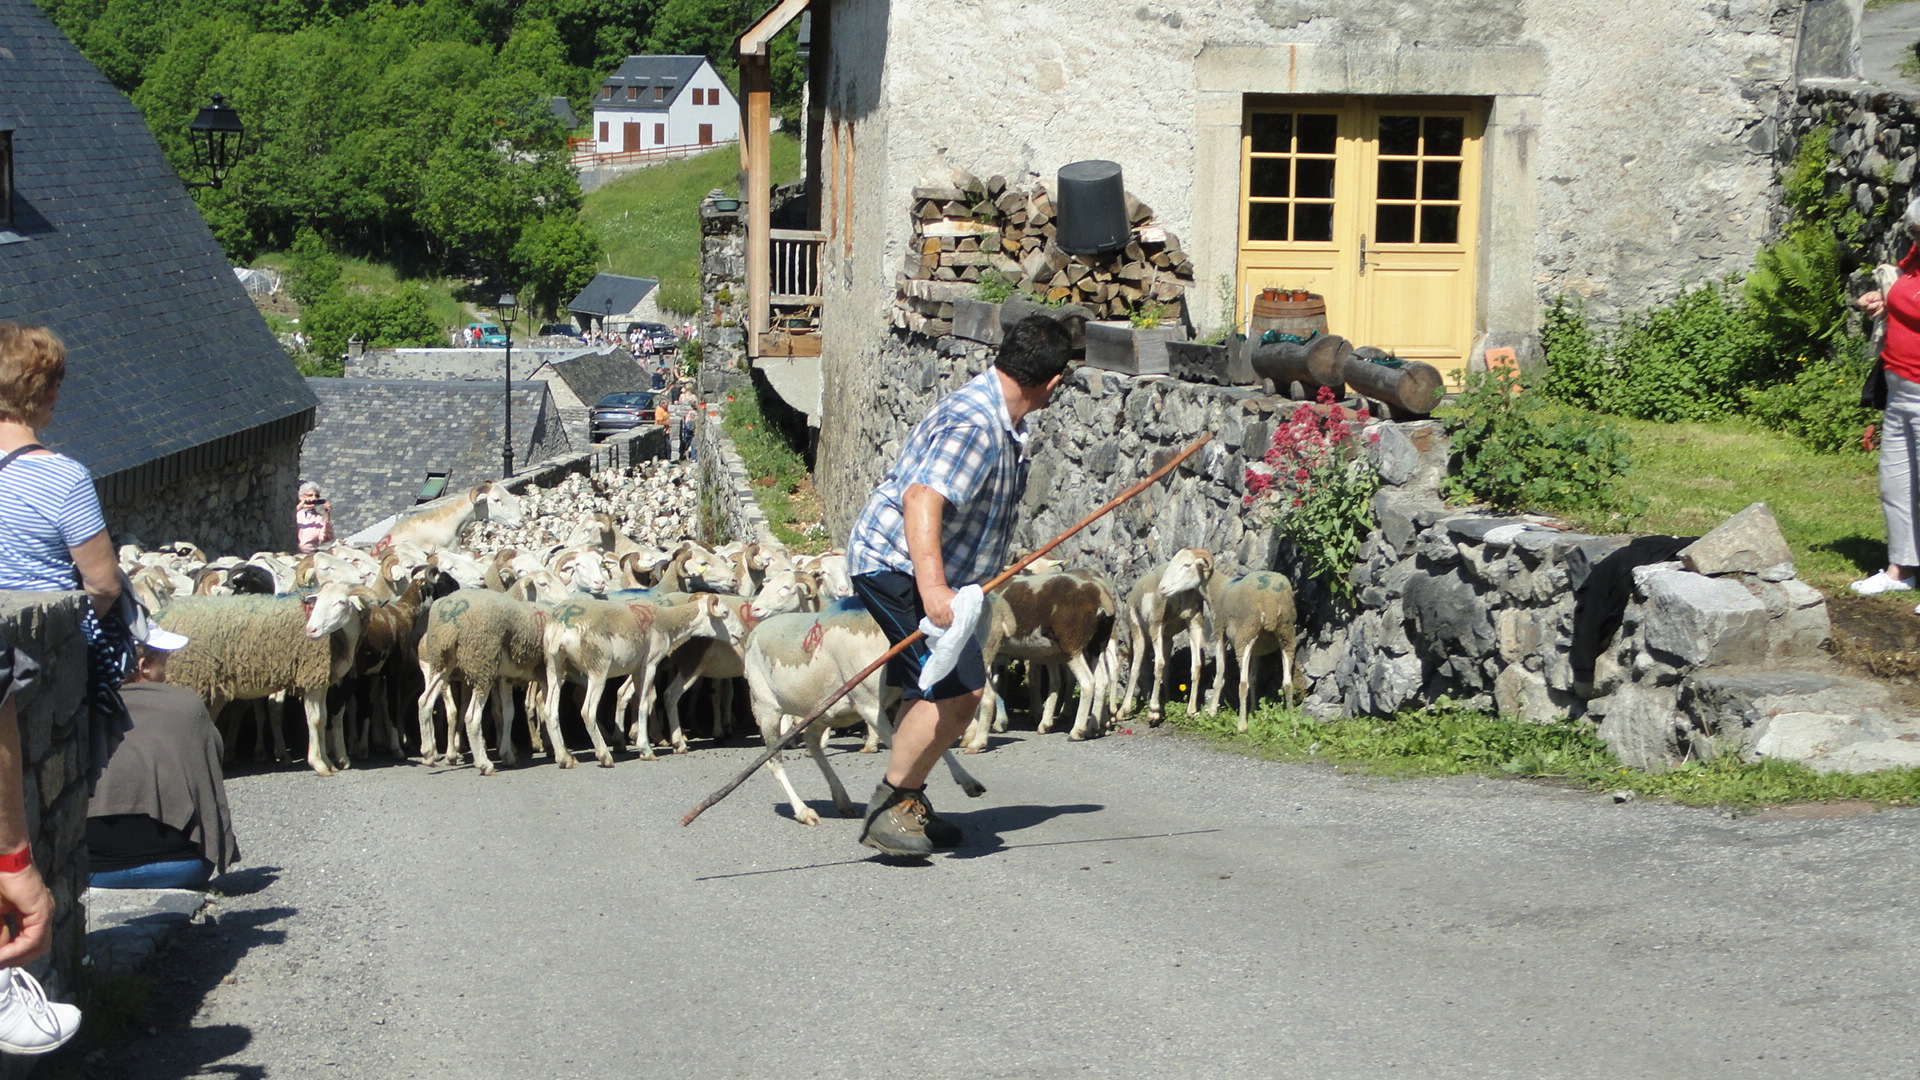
(612, 294)
(164, 350)
(448, 365)
(645, 73)
(377, 439)
(592, 375)
(562, 111)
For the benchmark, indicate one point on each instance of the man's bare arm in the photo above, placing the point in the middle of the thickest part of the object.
(924, 509)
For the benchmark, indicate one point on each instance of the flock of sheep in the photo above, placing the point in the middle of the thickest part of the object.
(504, 600)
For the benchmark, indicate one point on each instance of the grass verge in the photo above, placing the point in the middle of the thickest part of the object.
(779, 475)
(1692, 477)
(1452, 742)
(648, 222)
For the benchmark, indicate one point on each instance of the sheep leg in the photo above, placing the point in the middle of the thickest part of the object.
(1085, 716)
(1220, 658)
(429, 742)
(676, 735)
(1196, 627)
(536, 715)
(276, 723)
(590, 712)
(1054, 678)
(316, 706)
(1286, 674)
(974, 739)
(554, 692)
(627, 720)
(722, 709)
(229, 734)
(1247, 660)
(388, 709)
(1136, 630)
(503, 721)
(816, 738)
(1155, 708)
(337, 738)
(477, 696)
(801, 811)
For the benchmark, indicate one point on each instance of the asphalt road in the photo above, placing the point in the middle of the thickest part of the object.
(1887, 36)
(1139, 906)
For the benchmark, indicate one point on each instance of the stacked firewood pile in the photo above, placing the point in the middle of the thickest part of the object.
(969, 230)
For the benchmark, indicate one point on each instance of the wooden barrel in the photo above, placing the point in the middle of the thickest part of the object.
(1301, 318)
(1313, 364)
(1412, 390)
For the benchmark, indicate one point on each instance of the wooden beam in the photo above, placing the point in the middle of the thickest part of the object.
(754, 41)
(756, 84)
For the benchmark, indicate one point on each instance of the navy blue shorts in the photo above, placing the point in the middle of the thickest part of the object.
(894, 601)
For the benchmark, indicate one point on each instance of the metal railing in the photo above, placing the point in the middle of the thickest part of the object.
(794, 265)
(635, 157)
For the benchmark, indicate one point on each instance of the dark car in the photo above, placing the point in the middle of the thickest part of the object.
(661, 336)
(620, 412)
(565, 330)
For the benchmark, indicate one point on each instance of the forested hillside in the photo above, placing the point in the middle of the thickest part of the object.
(416, 134)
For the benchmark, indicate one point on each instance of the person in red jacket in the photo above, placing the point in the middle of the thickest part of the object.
(1900, 427)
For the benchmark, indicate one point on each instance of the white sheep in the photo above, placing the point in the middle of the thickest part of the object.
(240, 648)
(491, 642)
(1162, 601)
(1254, 615)
(794, 661)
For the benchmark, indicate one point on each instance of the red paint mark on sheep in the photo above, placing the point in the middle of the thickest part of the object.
(812, 640)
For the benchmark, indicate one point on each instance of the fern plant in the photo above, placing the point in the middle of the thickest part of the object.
(1798, 291)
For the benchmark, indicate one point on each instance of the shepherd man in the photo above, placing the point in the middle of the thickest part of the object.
(938, 525)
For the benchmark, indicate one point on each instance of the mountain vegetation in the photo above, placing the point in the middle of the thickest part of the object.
(417, 134)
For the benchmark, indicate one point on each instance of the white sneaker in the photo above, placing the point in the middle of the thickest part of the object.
(29, 1023)
(1880, 583)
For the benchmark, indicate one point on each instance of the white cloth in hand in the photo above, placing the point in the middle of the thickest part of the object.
(946, 642)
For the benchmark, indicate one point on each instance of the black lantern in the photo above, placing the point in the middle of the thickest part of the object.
(506, 305)
(215, 132)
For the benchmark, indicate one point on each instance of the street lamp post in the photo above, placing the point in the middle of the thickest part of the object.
(506, 305)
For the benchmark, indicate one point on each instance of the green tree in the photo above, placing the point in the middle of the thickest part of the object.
(312, 269)
(554, 258)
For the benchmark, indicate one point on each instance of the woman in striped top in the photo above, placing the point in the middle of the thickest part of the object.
(52, 534)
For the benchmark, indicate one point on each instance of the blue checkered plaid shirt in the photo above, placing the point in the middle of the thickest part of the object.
(967, 450)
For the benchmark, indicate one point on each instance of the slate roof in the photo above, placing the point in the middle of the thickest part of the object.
(647, 72)
(165, 354)
(377, 439)
(612, 294)
(562, 110)
(592, 374)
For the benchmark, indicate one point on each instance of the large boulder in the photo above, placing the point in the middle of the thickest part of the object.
(1749, 542)
(1794, 715)
(1701, 620)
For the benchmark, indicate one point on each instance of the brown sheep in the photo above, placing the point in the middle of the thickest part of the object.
(1255, 615)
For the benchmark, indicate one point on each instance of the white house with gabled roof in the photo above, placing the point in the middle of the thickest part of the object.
(657, 101)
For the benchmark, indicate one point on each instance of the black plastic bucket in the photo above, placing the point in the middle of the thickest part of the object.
(1091, 203)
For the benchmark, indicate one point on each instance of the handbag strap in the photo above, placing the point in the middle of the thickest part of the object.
(8, 460)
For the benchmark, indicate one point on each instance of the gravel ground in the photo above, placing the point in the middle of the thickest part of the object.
(1139, 906)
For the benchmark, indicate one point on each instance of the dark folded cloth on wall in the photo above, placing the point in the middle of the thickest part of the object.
(1601, 601)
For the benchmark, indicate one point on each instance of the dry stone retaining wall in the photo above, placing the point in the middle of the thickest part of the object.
(55, 751)
(1451, 604)
(1875, 149)
(238, 508)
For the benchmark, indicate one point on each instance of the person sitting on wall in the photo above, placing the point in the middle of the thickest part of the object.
(312, 519)
(158, 818)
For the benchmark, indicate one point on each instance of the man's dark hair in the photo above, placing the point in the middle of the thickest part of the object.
(1035, 350)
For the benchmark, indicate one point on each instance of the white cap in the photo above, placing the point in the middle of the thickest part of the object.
(158, 637)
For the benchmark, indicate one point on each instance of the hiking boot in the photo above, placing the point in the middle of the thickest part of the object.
(896, 822)
(944, 834)
(29, 1023)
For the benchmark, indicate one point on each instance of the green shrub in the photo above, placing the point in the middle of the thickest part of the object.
(1799, 294)
(1821, 406)
(996, 287)
(1509, 454)
(1315, 487)
(382, 321)
(691, 352)
(1578, 368)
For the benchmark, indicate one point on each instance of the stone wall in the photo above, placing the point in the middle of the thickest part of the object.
(1450, 604)
(1875, 145)
(728, 509)
(56, 755)
(236, 509)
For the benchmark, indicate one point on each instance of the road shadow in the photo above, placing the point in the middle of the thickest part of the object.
(245, 882)
(163, 1044)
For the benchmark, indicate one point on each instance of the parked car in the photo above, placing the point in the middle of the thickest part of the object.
(559, 329)
(619, 412)
(490, 334)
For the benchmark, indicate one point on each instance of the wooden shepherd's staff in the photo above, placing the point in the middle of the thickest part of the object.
(800, 728)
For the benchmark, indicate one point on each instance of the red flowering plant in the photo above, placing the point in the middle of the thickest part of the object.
(1315, 488)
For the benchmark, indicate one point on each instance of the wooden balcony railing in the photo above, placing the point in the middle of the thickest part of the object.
(794, 266)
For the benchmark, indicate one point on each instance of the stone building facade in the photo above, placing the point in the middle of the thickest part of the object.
(1623, 149)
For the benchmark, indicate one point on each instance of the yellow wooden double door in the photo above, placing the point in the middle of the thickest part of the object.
(1372, 203)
